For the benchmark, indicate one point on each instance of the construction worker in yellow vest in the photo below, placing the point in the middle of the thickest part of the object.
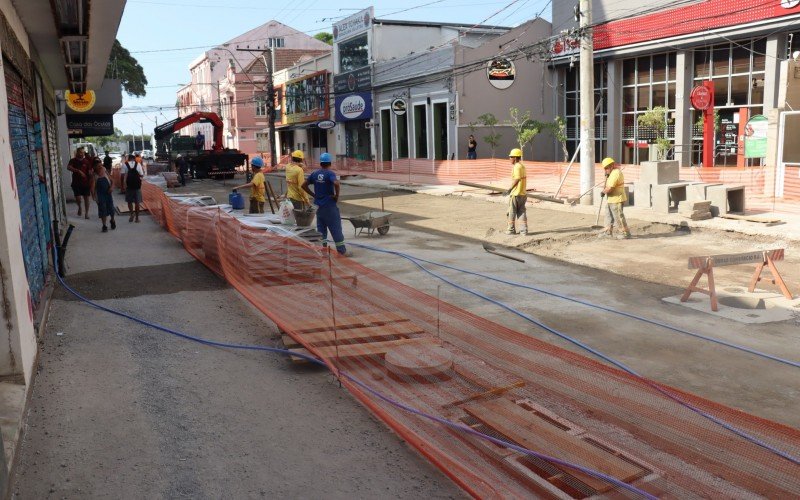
(517, 194)
(294, 181)
(614, 191)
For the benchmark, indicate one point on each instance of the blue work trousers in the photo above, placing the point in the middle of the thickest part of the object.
(328, 218)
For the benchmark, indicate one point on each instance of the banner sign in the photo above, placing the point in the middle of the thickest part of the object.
(306, 98)
(353, 81)
(89, 125)
(755, 137)
(357, 106)
(353, 25)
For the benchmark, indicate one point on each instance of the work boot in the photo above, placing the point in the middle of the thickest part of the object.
(510, 231)
(523, 232)
(624, 236)
(605, 234)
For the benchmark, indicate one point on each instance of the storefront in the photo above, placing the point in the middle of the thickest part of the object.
(352, 86)
(652, 62)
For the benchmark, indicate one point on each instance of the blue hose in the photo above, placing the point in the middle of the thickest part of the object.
(460, 427)
(597, 353)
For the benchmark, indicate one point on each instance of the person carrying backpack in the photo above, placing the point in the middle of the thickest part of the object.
(131, 180)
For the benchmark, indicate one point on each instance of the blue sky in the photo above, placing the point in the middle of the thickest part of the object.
(163, 25)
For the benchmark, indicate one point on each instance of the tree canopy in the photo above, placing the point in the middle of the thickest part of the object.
(324, 36)
(122, 65)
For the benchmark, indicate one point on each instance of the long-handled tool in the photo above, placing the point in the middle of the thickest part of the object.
(599, 209)
(491, 249)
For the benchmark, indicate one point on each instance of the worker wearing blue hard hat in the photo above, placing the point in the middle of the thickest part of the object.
(294, 180)
(258, 191)
(326, 194)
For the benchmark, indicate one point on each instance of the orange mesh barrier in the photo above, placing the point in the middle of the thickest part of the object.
(450, 363)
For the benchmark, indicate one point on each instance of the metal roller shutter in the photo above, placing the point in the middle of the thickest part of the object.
(32, 193)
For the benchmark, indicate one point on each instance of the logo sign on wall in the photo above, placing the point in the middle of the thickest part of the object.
(501, 73)
(358, 22)
(399, 107)
(89, 125)
(700, 97)
(353, 81)
(356, 106)
(755, 137)
(326, 124)
(80, 102)
(790, 4)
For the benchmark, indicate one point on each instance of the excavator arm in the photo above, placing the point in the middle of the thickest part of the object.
(173, 126)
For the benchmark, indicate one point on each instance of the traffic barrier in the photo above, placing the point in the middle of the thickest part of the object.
(493, 380)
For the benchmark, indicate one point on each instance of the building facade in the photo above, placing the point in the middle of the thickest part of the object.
(213, 67)
(40, 63)
(655, 53)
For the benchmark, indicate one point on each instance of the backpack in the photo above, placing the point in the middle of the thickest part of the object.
(133, 179)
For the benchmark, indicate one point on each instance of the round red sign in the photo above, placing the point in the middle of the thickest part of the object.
(700, 97)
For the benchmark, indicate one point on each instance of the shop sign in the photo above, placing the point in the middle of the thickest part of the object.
(353, 81)
(353, 25)
(700, 97)
(89, 125)
(326, 124)
(755, 137)
(399, 106)
(565, 45)
(501, 73)
(356, 106)
(306, 98)
(80, 102)
(790, 4)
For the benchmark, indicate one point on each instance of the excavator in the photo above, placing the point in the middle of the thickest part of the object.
(216, 162)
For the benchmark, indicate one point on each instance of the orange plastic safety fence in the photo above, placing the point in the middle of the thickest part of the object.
(450, 363)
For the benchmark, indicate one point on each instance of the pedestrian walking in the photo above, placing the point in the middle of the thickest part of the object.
(81, 184)
(102, 188)
(614, 191)
(108, 163)
(326, 194)
(517, 195)
(182, 168)
(257, 185)
(131, 180)
(295, 175)
(472, 148)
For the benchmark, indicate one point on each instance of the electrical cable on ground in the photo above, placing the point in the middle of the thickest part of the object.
(654, 385)
(341, 373)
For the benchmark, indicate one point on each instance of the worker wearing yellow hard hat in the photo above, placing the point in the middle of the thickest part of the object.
(517, 195)
(614, 191)
(295, 175)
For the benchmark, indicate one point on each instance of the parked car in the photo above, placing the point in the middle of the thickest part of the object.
(88, 147)
(147, 154)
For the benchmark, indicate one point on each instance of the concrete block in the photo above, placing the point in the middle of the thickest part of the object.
(659, 172)
(699, 190)
(667, 196)
(727, 198)
(689, 206)
(642, 194)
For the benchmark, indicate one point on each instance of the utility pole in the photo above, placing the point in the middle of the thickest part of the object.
(142, 125)
(268, 64)
(587, 101)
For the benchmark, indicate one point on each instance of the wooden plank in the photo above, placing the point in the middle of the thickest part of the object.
(486, 394)
(751, 218)
(733, 259)
(362, 350)
(533, 433)
(344, 322)
(364, 333)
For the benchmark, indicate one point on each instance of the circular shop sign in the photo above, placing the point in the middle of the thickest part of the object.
(501, 73)
(80, 103)
(700, 97)
(790, 4)
(399, 107)
(326, 124)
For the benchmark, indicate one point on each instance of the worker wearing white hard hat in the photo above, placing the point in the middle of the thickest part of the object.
(517, 195)
(614, 191)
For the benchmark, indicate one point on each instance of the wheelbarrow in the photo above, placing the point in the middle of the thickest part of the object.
(371, 221)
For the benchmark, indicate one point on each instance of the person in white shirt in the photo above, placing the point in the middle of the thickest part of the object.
(132, 172)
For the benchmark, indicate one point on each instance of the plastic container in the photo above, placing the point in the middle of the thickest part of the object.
(236, 200)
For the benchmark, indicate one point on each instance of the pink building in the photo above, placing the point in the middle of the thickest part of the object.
(231, 82)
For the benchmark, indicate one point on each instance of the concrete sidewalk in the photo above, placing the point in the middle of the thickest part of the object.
(120, 410)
